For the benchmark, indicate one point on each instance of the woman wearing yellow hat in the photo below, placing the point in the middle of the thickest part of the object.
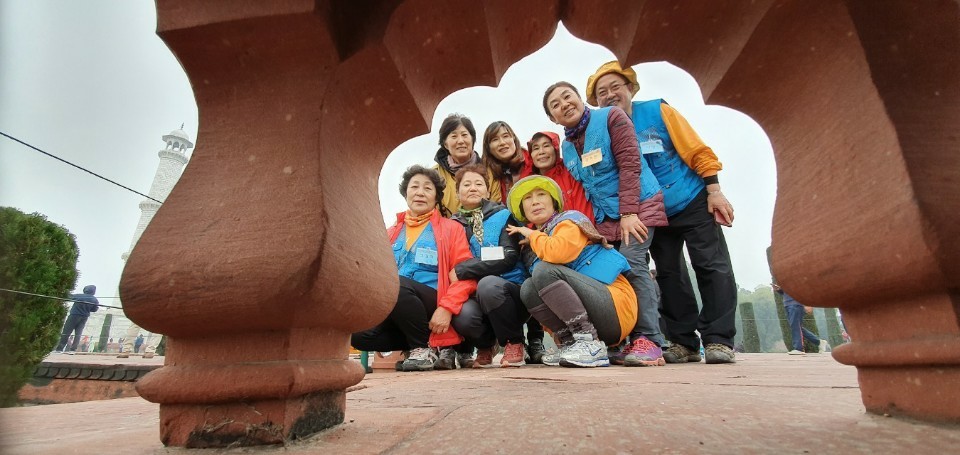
(577, 288)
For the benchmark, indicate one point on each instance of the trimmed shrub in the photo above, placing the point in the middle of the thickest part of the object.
(39, 257)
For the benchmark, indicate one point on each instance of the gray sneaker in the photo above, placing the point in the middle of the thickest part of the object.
(678, 353)
(719, 353)
(421, 359)
(585, 352)
(447, 360)
(466, 359)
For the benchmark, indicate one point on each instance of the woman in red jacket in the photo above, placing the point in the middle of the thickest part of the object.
(544, 150)
(426, 247)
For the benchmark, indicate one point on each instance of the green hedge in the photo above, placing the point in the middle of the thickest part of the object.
(39, 257)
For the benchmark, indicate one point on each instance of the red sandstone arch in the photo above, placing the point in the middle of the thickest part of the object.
(258, 265)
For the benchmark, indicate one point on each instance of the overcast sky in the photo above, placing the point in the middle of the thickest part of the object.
(92, 83)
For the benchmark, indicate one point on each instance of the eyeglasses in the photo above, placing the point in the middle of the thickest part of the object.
(616, 86)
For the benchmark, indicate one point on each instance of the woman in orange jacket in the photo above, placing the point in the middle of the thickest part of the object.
(426, 247)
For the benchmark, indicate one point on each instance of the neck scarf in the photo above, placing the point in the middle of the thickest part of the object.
(571, 133)
(582, 222)
(454, 167)
(475, 216)
(412, 220)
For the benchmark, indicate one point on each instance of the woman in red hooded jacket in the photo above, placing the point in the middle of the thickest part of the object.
(544, 150)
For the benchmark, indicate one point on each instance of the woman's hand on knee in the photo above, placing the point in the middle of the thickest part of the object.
(440, 322)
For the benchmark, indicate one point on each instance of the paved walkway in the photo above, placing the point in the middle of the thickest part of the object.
(766, 403)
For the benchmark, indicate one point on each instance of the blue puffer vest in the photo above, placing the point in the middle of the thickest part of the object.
(595, 261)
(407, 265)
(602, 180)
(492, 228)
(680, 183)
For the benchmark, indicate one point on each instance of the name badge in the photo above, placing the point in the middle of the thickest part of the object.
(426, 256)
(491, 253)
(652, 146)
(593, 157)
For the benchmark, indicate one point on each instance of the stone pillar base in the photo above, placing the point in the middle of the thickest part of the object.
(251, 423)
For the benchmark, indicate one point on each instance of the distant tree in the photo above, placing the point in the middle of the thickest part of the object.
(39, 257)
(104, 342)
(751, 338)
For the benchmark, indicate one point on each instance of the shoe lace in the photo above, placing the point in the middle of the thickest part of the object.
(420, 353)
(513, 350)
(641, 345)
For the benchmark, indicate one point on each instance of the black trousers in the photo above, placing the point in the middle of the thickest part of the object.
(75, 324)
(496, 314)
(407, 326)
(716, 322)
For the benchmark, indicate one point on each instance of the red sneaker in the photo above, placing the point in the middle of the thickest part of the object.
(513, 354)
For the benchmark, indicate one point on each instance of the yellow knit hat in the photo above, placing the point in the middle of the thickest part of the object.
(607, 68)
(528, 184)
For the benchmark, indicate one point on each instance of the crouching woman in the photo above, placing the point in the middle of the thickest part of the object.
(577, 287)
(426, 247)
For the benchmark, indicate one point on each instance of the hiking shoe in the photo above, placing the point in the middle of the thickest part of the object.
(551, 358)
(616, 353)
(796, 352)
(513, 354)
(123, 355)
(148, 355)
(678, 353)
(585, 352)
(824, 346)
(536, 351)
(465, 359)
(719, 353)
(447, 360)
(420, 359)
(404, 355)
(641, 352)
(484, 357)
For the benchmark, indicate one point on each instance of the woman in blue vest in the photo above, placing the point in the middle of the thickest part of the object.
(497, 315)
(426, 247)
(600, 150)
(577, 288)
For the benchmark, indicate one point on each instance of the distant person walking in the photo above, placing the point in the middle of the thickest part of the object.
(800, 333)
(83, 305)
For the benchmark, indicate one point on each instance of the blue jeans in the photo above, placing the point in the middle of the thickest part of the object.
(800, 333)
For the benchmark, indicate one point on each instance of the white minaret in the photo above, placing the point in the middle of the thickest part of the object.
(172, 160)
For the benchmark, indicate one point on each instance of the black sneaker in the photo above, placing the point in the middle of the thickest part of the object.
(403, 357)
(535, 351)
(446, 361)
(421, 359)
(466, 359)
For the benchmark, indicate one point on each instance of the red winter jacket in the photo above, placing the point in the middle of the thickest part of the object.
(452, 249)
(574, 197)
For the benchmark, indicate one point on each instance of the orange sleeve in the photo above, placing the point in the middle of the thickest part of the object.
(563, 246)
(690, 147)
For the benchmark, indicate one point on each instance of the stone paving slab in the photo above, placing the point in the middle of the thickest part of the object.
(766, 403)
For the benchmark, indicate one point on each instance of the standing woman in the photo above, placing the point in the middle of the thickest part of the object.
(544, 150)
(503, 156)
(457, 138)
(601, 151)
(426, 247)
(496, 315)
(577, 288)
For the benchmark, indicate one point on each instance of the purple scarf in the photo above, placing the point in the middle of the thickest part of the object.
(571, 133)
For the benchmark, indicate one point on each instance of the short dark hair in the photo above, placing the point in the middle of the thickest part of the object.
(452, 122)
(431, 174)
(553, 87)
(491, 161)
(476, 168)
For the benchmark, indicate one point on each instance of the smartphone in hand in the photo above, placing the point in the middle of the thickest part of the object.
(720, 219)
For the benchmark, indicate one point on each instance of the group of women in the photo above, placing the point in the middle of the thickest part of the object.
(490, 244)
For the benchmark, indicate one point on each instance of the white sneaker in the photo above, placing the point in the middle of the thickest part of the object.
(585, 352)
(824, 346)
(796, 352)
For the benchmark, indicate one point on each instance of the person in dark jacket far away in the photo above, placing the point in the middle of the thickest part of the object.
(83, 305)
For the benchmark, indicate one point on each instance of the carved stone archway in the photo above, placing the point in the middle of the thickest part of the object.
(263, 260)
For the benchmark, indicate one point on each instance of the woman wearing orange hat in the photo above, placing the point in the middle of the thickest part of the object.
(600, 151)
(577, 288)
(426, 247)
